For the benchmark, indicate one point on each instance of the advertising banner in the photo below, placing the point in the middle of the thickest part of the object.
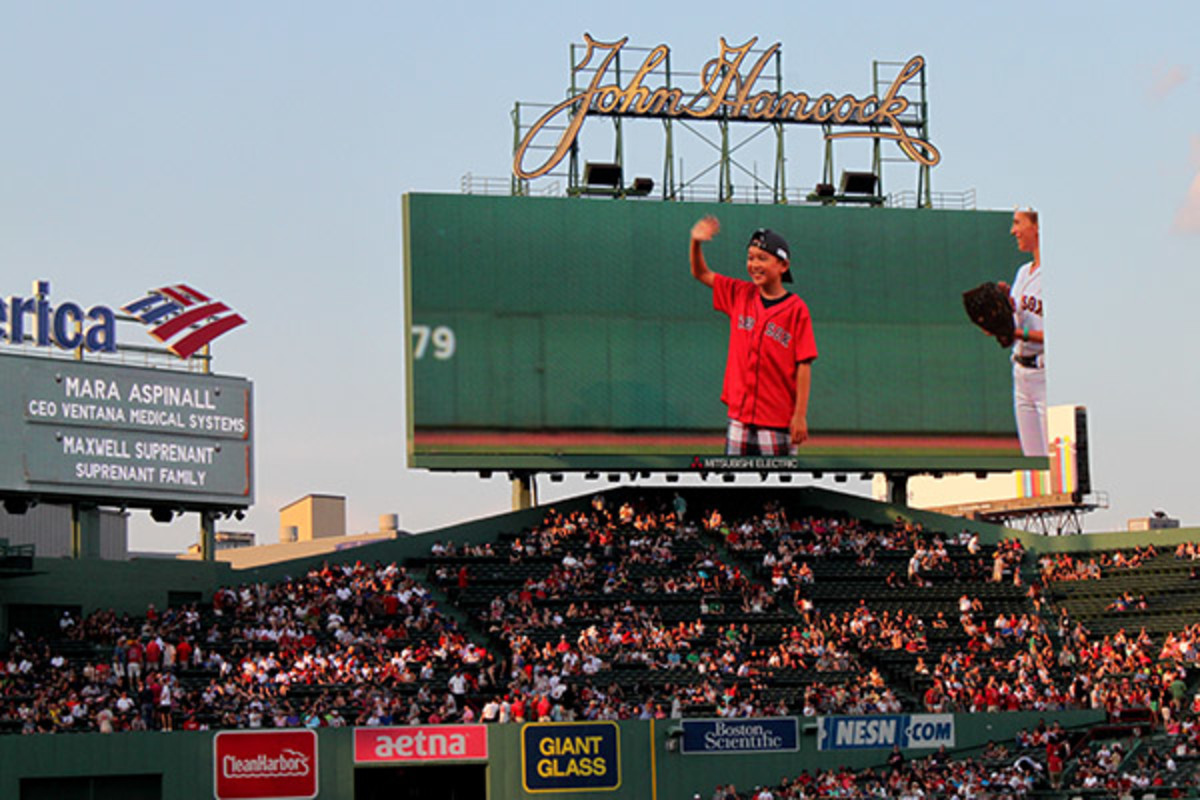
(420, 744)
(737, 736)
(908, 731)
(265, 764)
(570, 756)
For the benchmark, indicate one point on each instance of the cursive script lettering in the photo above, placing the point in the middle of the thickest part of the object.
(724, 93)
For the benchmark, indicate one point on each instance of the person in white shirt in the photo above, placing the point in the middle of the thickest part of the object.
(1028, 352)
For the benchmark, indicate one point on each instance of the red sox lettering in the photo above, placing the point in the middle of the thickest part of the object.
(777, 333)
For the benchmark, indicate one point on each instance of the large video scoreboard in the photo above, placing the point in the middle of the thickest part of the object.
(568, 333)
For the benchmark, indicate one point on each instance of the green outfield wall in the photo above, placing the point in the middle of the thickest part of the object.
(180, 766)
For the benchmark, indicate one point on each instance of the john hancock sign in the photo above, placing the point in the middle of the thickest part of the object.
(729, 90)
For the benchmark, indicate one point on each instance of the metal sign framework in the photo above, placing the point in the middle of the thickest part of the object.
(1052, 515)
(729, 93)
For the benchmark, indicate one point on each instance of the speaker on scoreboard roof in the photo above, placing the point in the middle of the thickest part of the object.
(1082, 455)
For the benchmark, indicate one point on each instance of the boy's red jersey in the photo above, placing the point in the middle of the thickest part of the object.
(765, 344)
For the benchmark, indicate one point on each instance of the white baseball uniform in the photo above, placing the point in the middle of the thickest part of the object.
(1029, 362)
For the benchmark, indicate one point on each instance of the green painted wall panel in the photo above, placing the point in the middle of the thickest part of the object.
(693, 386)
(636, 349)
(649, 769)
(577, 372)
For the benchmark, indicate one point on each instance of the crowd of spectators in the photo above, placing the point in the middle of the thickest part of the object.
(1002, 660)
(786, 546)
(584, 543)
(1110, 767)
(1066, 567)
(346, 644)
(1039, 760)
(608, 613)
(632, 587)
(993, 774)
(1072, 669)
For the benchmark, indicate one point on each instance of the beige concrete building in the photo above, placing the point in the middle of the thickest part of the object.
(246, 557)
(314, 516)
(311, 526)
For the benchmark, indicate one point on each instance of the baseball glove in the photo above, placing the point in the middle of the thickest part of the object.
(988, 307)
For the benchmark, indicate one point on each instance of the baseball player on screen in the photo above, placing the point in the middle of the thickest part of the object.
(768, 371)
(1028, 354)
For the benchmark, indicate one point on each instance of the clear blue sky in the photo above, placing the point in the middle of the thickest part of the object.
(258, 150)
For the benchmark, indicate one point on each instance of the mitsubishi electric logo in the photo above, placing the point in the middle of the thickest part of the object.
(182, 318)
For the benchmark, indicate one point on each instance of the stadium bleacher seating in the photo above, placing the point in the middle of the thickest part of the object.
(627, 612)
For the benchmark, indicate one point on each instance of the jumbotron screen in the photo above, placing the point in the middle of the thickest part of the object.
(570, 334)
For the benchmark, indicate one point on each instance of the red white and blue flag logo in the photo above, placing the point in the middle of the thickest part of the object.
(182, 318)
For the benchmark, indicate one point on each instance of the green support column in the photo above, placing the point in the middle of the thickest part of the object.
(208, 536)
(85, 531)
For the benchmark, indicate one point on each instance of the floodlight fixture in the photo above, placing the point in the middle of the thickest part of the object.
(598, 173)
(859, 182)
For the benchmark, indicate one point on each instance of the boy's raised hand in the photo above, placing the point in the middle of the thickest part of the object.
(706, 228)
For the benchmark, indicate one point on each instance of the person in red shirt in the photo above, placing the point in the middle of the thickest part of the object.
(771, 346)
(183, 654)
(1054, 765)
(133, 655)
(153, 654)
(391, 604)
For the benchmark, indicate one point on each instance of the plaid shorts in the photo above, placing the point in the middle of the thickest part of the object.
(750, 440)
